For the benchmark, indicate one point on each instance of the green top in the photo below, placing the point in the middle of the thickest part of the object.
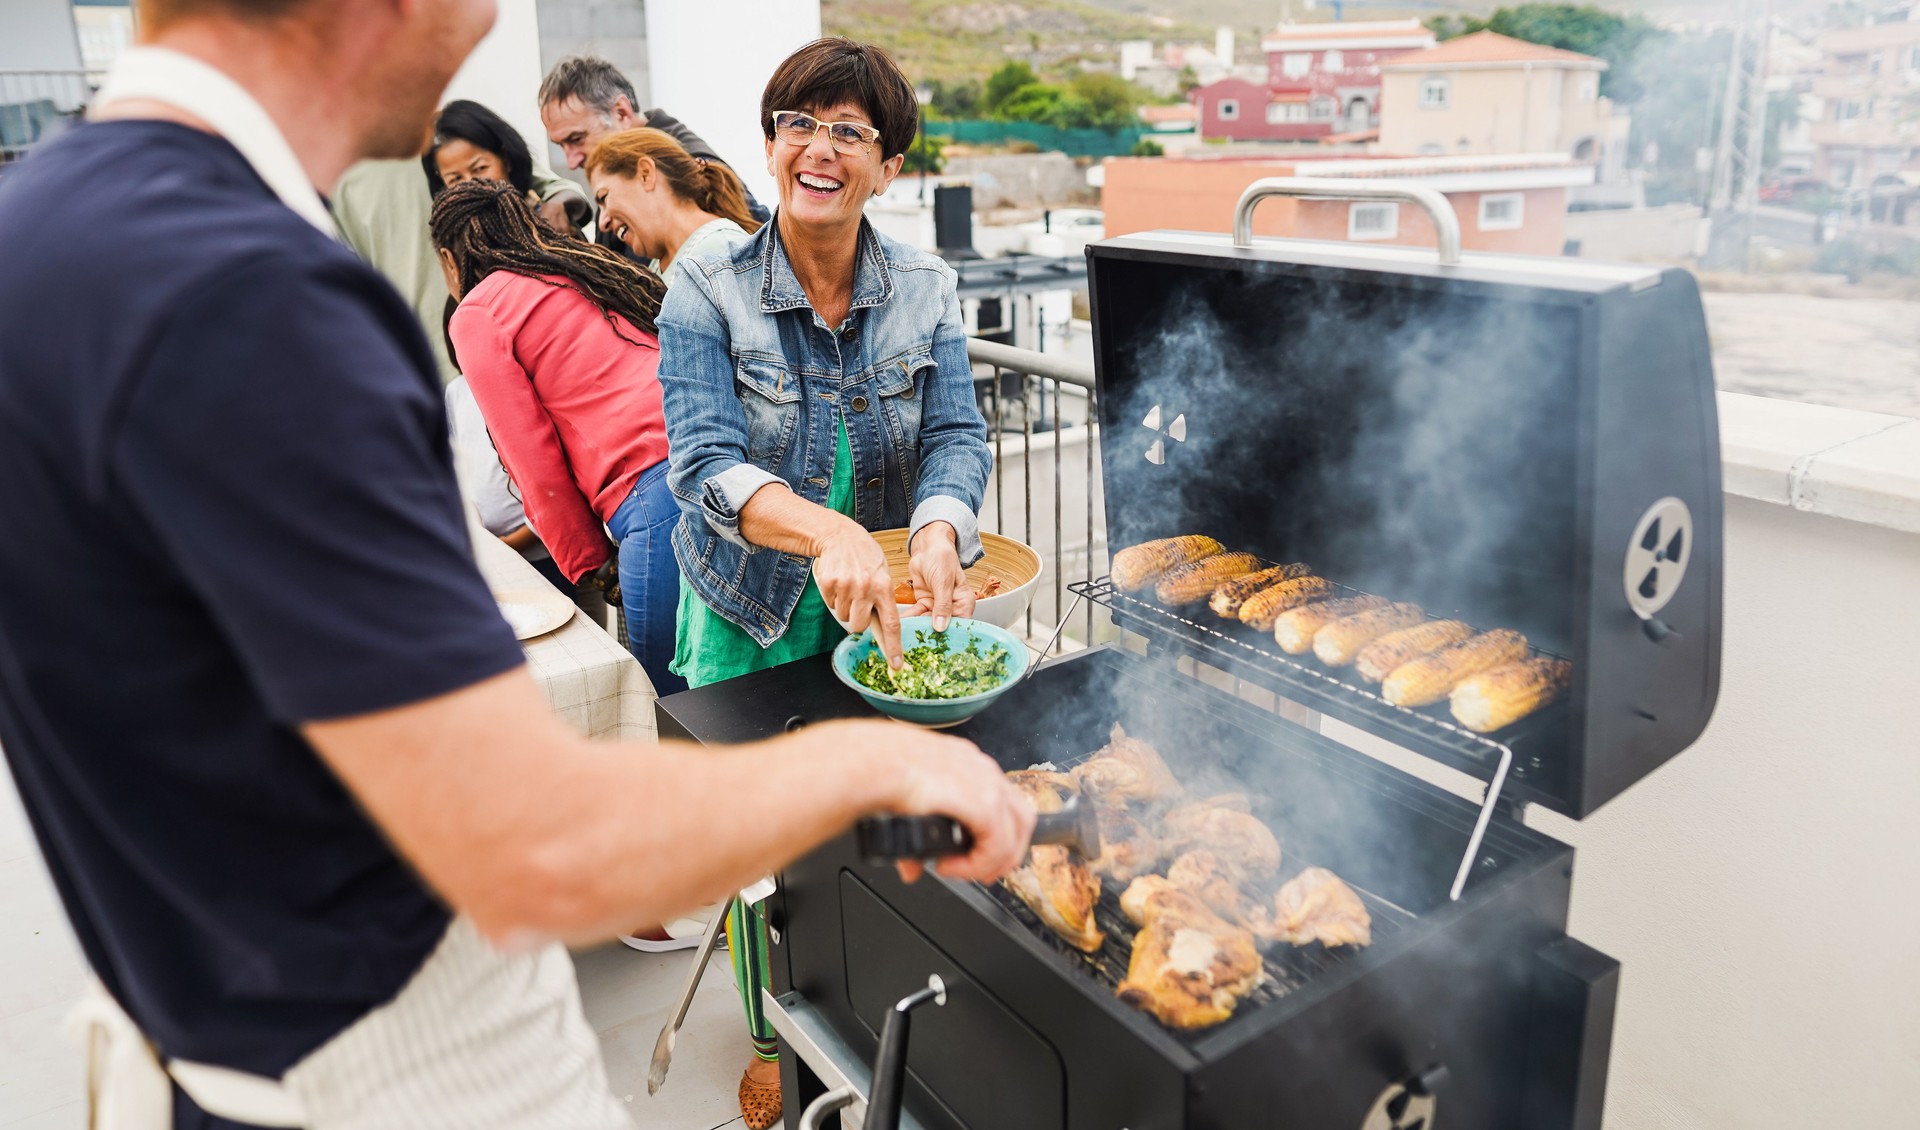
(711, 647)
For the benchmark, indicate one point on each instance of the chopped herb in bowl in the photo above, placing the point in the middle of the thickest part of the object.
(933, 672)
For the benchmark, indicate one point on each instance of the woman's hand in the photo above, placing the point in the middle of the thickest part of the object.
(940, 585)
(851, 570)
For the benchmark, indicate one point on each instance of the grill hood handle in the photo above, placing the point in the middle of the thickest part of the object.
(1446, 225)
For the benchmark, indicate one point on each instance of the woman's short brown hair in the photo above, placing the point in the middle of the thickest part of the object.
(829, 71)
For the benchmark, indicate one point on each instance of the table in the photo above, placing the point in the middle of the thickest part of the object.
(589, 679)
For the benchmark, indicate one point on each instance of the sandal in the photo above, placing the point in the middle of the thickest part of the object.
(759, 1103)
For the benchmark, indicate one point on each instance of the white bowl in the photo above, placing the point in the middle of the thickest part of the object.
(1015, 563)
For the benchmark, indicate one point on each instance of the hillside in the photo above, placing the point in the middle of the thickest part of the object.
(948, 40)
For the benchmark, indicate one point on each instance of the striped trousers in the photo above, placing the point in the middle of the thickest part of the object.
(747, 948)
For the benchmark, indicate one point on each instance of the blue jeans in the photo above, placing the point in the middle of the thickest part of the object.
(649, 578)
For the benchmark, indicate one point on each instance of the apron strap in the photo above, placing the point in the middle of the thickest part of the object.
(128, 1088)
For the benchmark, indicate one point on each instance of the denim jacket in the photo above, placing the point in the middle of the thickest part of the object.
(754, 382)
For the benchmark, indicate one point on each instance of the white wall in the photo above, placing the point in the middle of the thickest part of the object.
(38, 35)
(503, 73)
(709, 61)
(1763, 888)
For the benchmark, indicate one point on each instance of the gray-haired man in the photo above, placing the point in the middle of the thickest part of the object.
(584, 99)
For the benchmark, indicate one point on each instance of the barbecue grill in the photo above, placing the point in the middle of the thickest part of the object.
(1513, 442)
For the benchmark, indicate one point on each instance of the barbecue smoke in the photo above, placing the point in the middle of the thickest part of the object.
(1414, 443)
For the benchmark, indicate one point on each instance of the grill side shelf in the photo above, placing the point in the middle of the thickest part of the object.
(1423, 732)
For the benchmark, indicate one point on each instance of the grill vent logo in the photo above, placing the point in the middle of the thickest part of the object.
(1399, 1108)
(1176, 431)
(1657, 556)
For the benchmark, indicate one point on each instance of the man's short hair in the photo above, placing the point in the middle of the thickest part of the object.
(833, 70)
(597, 83)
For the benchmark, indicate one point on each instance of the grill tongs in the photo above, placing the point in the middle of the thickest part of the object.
(884, 839)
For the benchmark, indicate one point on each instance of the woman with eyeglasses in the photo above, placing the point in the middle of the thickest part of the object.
(816, 389)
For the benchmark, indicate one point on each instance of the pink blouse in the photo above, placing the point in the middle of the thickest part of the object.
(573, 407)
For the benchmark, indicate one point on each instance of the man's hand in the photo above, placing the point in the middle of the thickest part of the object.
(851, 570)
(940, 585)
(949, 776)
(554, 211)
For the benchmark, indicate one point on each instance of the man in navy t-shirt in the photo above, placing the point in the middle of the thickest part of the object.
(274, 739)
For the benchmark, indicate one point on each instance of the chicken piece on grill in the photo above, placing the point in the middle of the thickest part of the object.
(1126, 769)
(1128, 849)
(1190, 967)
(1237, 837)
(1315, 906)
(1054, 881)
(1214, 880)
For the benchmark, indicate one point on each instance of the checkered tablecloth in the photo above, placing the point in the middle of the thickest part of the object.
(589, 678)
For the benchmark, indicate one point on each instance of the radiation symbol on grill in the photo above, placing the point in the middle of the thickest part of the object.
(1400, 1108)
(1175, 431)
(1657, 556)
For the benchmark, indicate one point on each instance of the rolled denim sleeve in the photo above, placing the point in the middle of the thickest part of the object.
(954, 457)
(707, 467)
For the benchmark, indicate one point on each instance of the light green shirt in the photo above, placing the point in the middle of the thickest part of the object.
(711, 647)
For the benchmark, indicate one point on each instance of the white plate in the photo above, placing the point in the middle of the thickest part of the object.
(532, 612)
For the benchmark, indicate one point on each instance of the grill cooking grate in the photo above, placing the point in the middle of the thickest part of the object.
(1239, 649)
(1287, 967)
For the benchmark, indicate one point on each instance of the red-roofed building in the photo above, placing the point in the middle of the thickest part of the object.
(1321, 79)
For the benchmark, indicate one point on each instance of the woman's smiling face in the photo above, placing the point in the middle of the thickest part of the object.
(821, 186)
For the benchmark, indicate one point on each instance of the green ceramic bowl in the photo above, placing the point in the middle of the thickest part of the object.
(935, 713)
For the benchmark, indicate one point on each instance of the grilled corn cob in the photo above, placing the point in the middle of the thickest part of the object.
(1228, 598)
(1294, 630)
(1338, 642)
(1395, 649)
(1429, 678)
(1264, 607)
(1138, 566)
(1504, 695)
(1197, 580)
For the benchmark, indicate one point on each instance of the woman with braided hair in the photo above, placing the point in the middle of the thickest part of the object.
(662, 201)
(556, 338)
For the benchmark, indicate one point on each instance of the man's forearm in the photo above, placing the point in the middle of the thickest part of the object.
(537, 833)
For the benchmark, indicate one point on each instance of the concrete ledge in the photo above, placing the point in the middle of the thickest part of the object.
(1860, 466)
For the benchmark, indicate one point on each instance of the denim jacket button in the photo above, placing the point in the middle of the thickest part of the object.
(874, 483)
(859, 403)
(817, 481)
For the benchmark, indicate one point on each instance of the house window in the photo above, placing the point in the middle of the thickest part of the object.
(1323, 109)
(1435, 93)
(1589, 88)
(1229, 109)
(1286, 113)
(1502, 211)
(1296, 66)
(1373, 221)
(1333, 61)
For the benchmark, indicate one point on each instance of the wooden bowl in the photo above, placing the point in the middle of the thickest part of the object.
(1015, 563)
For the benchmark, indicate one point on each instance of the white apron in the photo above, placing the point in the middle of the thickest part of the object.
(477, 1039)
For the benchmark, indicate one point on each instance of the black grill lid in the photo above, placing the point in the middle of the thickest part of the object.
(1517, 442)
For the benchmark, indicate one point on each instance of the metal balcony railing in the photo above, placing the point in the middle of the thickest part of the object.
(1046, 488)
(37, 106)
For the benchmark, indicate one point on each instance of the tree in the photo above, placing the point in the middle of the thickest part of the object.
(1583, 28)
(927, 154)
(1033, 102)
(1002, 84)
(1111, 101)
(1188, 80)
(958, 100)
(1148, 147)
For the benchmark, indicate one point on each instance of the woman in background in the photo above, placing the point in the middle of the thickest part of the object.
(663, 202)
(471, 142)
(556, 338)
